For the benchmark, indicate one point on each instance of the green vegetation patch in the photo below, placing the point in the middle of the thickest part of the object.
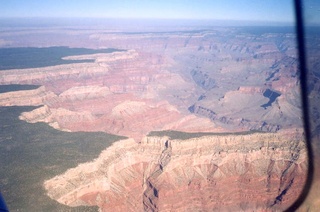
(17, 87)
(184, 135)
(31, 57)
(33, 153)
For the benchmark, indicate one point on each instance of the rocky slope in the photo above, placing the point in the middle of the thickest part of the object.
(260, 171)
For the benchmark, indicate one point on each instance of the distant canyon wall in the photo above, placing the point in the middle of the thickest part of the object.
(121, 93)
(134, 92)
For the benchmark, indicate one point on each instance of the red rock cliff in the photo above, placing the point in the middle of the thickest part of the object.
(219, 172)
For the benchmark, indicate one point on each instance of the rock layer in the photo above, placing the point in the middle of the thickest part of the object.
(121, 93)
(166, 73)
(260, 171)
(132, 93)
(34, 97)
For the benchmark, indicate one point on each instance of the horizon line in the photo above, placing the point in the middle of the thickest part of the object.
(228, 22)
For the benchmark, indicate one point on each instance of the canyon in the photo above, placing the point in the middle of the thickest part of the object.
(185, 76)
(234, 92)
(219, 172)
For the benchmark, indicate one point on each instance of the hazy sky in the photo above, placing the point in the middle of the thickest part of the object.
(259, 10)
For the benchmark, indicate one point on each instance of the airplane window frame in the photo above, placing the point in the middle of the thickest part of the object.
(300, 32)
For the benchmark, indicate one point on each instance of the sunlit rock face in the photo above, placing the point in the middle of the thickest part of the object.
(258, 171)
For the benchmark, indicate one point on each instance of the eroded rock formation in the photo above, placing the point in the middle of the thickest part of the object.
(260, 171)
(164, 75)
(26, 97)
(118, 94)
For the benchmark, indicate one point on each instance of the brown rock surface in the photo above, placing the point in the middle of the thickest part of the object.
(260, 171)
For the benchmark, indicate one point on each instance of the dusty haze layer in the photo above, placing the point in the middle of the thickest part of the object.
(213, 80)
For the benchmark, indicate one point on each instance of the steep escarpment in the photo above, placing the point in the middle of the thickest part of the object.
(151, 193)
(235, 122)
(34, 97)
(261, 171)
